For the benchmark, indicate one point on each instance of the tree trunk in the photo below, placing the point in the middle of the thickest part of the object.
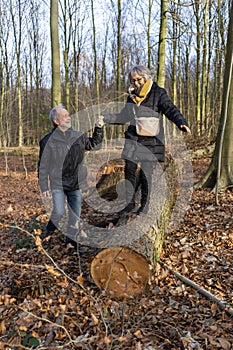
(2, 94)
(220, 172)
(20, 143)
(119, 48)
(148, 34)
(17, 35)
(187, 86)
(55, 52)
(161, 74)
(174, 65)
(204, 69)
(95, 55)
(198, 71)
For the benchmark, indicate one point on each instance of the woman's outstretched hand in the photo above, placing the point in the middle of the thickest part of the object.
(185, 128)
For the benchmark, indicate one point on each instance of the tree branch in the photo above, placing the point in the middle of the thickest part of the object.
(201, 290)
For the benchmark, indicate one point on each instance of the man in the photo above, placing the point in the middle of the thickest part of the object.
(62, 171)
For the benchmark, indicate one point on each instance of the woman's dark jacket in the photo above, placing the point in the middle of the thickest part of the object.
(61, 158)
(156, 103)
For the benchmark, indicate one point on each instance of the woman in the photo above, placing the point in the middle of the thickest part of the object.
(144, 138)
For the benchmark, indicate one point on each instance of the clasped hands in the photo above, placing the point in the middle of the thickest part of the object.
(100, 121)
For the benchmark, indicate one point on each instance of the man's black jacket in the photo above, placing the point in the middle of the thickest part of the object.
(61, 158)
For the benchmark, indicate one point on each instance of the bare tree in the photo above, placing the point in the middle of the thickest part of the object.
(119, 14)
(55, 53)
(95, 61)
(17, 10)
(78, 29)
(35, 59)
(220, 172)
(96, 71)
(162, 43)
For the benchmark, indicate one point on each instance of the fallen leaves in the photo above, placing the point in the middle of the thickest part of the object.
(41, 306)
(80, 279)
(2, 327)
(52, 270)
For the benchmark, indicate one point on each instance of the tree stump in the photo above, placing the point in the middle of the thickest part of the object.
(120, 271)
(108, 177)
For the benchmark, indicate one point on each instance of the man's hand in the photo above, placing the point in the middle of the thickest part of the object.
(46, 194)
(100, 121)
(185, 128)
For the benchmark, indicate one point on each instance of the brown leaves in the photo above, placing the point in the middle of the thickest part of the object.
(80, 279)
(6, 300)
(2, 327)
(39, 304)
(52, 270)
(95, 320)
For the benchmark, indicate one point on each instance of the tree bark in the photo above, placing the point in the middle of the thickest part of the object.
(220, 171)
(17, 35)
(119, 48)
(148, 34)
(198, 71)
(162, 44)
(55, 53)
(95, 54)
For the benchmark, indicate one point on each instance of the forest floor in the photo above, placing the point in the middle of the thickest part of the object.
(48, 299)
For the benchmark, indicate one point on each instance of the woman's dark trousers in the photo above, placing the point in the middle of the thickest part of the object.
(133, 181)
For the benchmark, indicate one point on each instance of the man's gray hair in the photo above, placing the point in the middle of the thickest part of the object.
(53, 114)
(140, 70)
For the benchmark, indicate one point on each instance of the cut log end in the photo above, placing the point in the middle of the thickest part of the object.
(120, 271)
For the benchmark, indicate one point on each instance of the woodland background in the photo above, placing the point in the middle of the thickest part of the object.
(47, 297)
(94, 44)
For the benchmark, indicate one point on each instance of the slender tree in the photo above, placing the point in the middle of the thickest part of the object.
(220, 172)
(161, 72)
(197, 12)
(2, 94)
(119, 46)
(6, 62)
(37, 54)
(204, 83)
(17, 11)
(219, 42)
(96, 72)
(2, 79)
(68, 8)
(149, 58)
(55, 53)
(79, 36)
(174, 10)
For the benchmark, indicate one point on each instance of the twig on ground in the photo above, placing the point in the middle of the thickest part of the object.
(222, 304)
